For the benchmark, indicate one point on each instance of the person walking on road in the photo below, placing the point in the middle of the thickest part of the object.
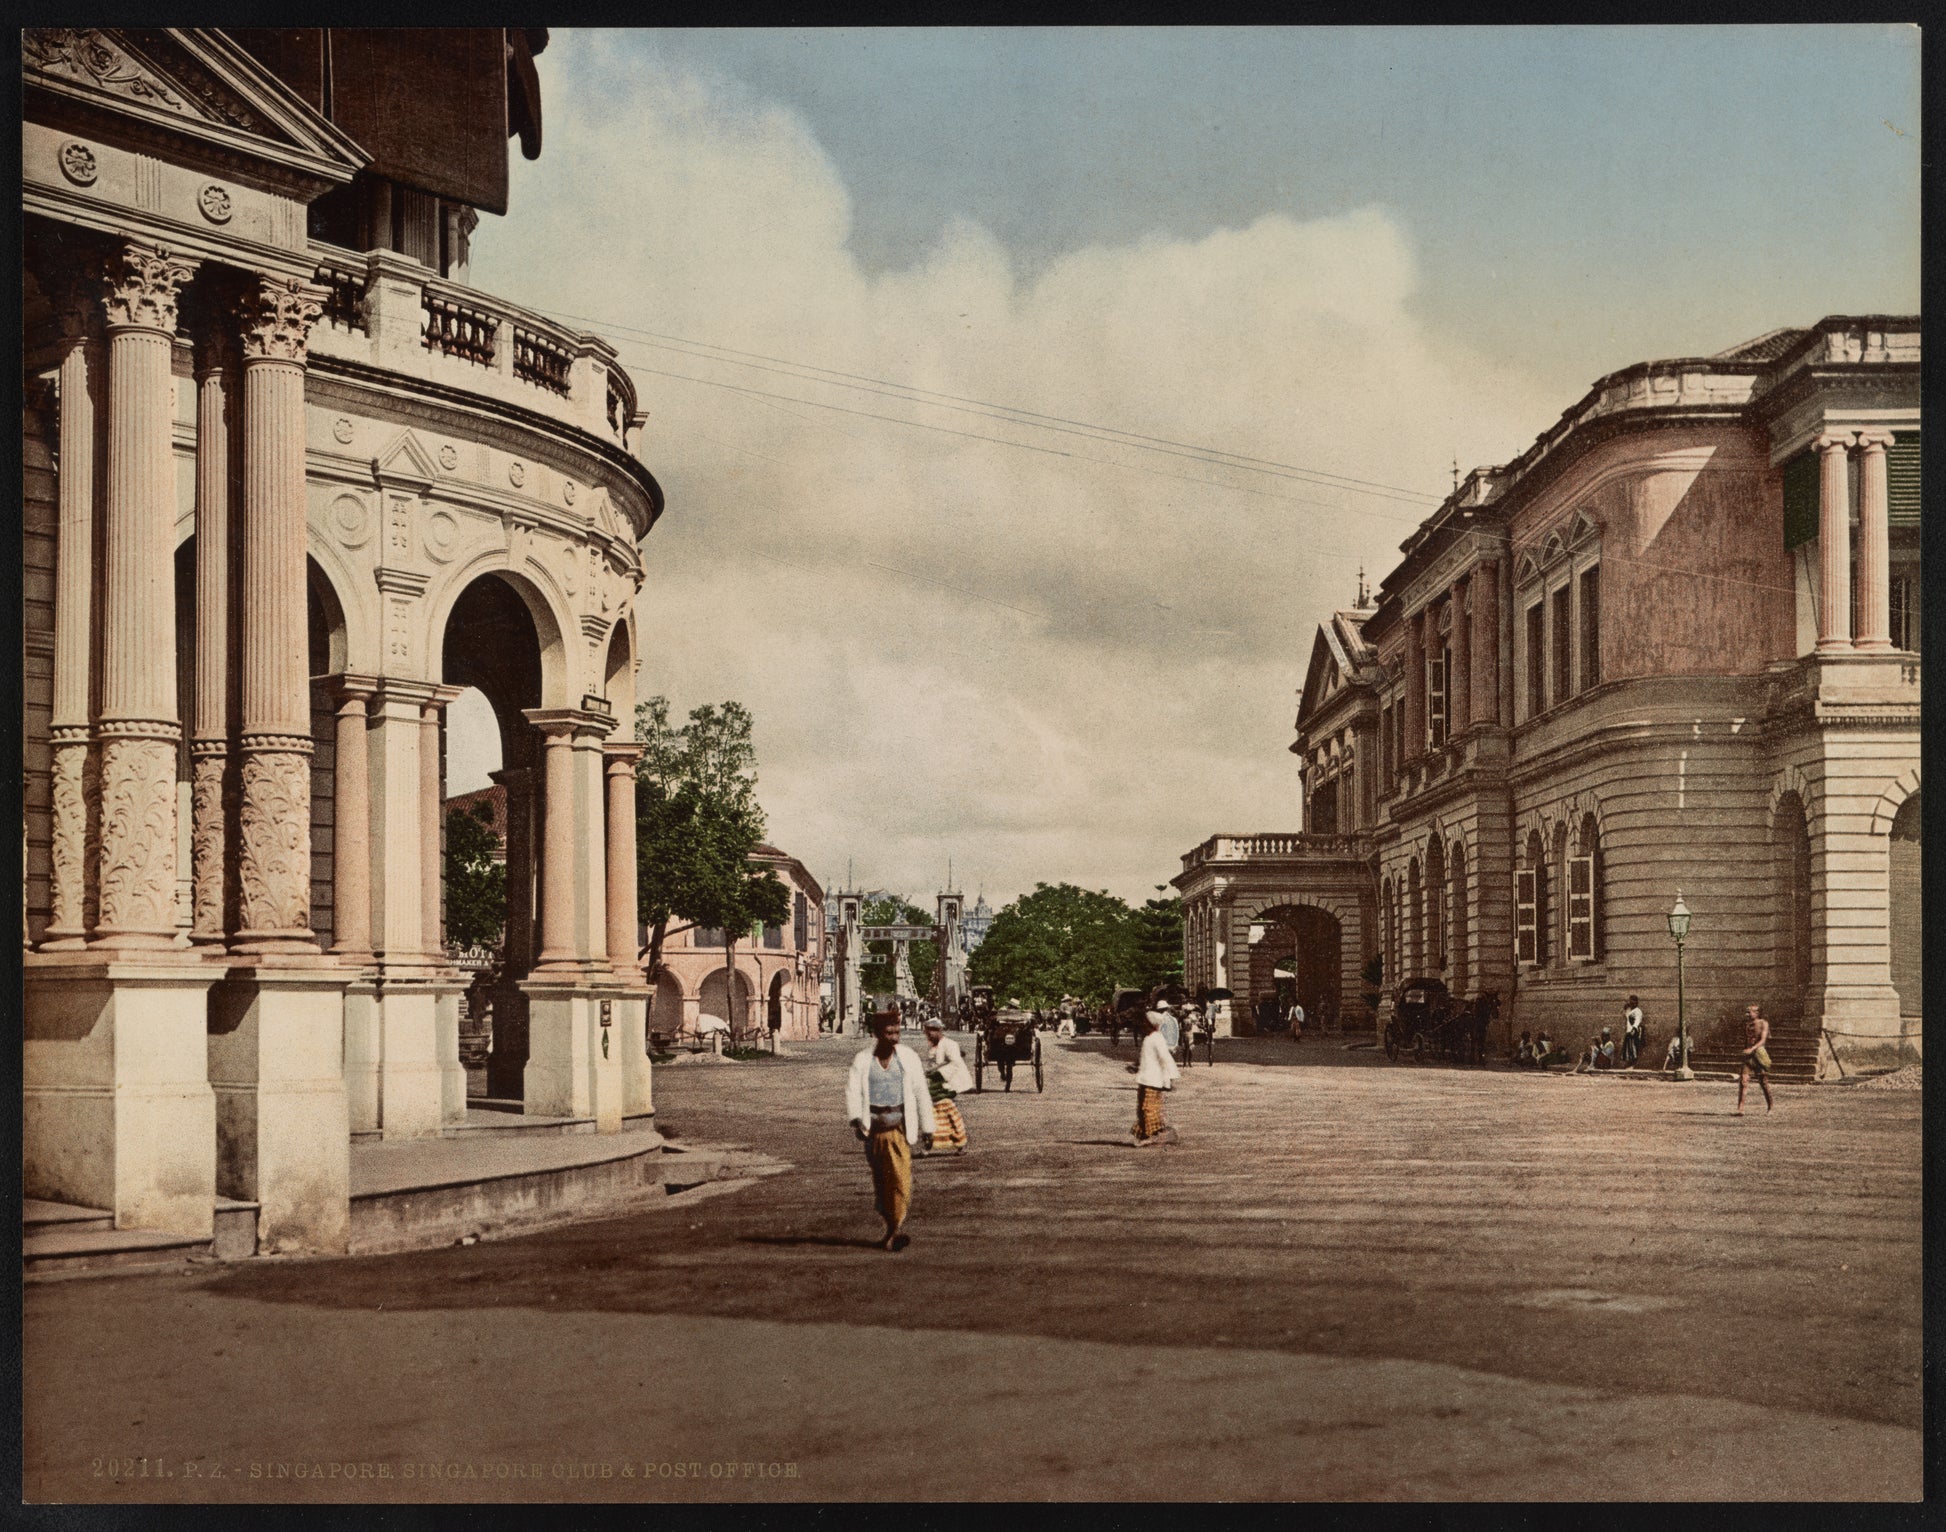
(946, 1077)
(1631, 1031)
(1756, 1058)
(889, 1109)
(1155, 1074)
(1164, 1016)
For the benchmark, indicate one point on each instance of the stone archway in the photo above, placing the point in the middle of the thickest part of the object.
(665, 1015)
(712, 996)
(1307, 940)
(491, 643)
(1790, 842)
(777, 1001)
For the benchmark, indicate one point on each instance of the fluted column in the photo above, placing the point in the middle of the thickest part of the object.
(210, 721)
(432, 818)
(274, 857)
(1834, 542)
(1874, 543)
(139, 727)
(557, 954)
(1459, 700)
(622, 946)
(76, 764)
(351, 843)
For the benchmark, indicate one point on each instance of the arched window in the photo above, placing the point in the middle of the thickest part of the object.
(1530, 904)
(1559, 943)
(1415, 938)
(1388, 937)
(1436, 907)
(1456, 913)
(1584, 894)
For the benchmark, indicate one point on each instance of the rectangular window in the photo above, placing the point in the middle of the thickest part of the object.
(1590, 627)
(801, 922)
(709, 936)
(1525, 945)
(1536, 659)
(1561, 682)
(1800, 500)
(773, 936)
(1436, 698)
(1581, 909)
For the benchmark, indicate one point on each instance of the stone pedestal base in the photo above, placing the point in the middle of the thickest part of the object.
(569, 1073)
(400, 1051)
(452, 1073)
(362, 1053)
(631, 1030)
(117, 1110)
(276, 1064)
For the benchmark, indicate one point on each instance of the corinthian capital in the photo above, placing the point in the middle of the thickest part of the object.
(142, 283)
(276, 318)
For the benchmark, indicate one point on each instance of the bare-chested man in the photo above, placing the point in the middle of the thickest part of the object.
(1756, 1058)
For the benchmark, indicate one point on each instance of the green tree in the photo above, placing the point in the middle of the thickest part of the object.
(1059, 940)
(696, 821)
(1159, 939)
(476, 885)
(877, 975)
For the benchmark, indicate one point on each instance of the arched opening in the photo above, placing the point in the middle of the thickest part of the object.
(1436, 951)
(492, 645)
(665, 1010)
(774, 1003)
(1415, 954)
(618, 678)
(1389, 940)
(736, 1011)
(325, 619)
(1531, 904)
(1790, 849)
(1302, 960)
(1456, 905)
(1904, 887)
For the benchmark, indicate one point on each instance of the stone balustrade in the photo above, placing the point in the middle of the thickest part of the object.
(385, 310)
(1273, 846)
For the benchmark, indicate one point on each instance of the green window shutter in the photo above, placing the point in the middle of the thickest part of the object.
(1902, 479)
(1800, 500)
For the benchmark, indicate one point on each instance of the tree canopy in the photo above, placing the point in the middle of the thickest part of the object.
(476, 885)
(1159, 940)
(696, 822)
(1060, 940)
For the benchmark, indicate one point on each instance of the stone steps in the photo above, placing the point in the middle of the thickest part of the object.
(59, 1238)
(1793, 1057)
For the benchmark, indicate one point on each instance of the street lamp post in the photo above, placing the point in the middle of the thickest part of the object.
(1679, 929)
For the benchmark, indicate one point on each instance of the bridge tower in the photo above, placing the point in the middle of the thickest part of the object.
(949, 938)
(850, 963)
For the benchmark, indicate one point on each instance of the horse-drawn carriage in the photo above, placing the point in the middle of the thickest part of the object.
(1005, 1039)
(1429, 1022)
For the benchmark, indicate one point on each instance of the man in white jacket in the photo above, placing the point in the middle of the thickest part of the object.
(1155, 1074)
(890, 1109)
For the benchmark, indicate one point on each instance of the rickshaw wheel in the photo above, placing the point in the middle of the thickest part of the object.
(979, 1061)
(1040, 1081)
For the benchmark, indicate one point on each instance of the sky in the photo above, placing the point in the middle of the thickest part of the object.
(1024, 399)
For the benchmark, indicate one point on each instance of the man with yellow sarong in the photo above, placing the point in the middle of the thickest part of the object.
(887, 1104)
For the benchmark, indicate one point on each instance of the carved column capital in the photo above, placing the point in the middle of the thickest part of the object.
(1834, 441)
(1873, 439)
(275, 318)
(352, 692)
(142, 284)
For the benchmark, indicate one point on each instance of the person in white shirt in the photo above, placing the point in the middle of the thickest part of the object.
(1155, 1074)
(946, 1076)
(1164, 1016)
(887, 1104)
(1297, 1022)
(1632, 1031)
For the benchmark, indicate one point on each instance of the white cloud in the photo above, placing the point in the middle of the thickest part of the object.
(1091, 660)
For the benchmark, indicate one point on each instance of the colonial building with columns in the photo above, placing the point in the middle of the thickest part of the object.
(290, 485)
(1671, 649)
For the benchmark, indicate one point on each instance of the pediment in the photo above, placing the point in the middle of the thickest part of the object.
(407, 460)
(1318, 676)
(193, 78)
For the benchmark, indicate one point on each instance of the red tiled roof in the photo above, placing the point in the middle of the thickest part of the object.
(494, 797)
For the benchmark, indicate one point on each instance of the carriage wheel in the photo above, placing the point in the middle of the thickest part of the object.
(1040, 1080)
(979, 1061)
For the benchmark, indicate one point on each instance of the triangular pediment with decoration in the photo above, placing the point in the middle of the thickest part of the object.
(193, 80)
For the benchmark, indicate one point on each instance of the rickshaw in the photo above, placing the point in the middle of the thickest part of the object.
(1004, 1039)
